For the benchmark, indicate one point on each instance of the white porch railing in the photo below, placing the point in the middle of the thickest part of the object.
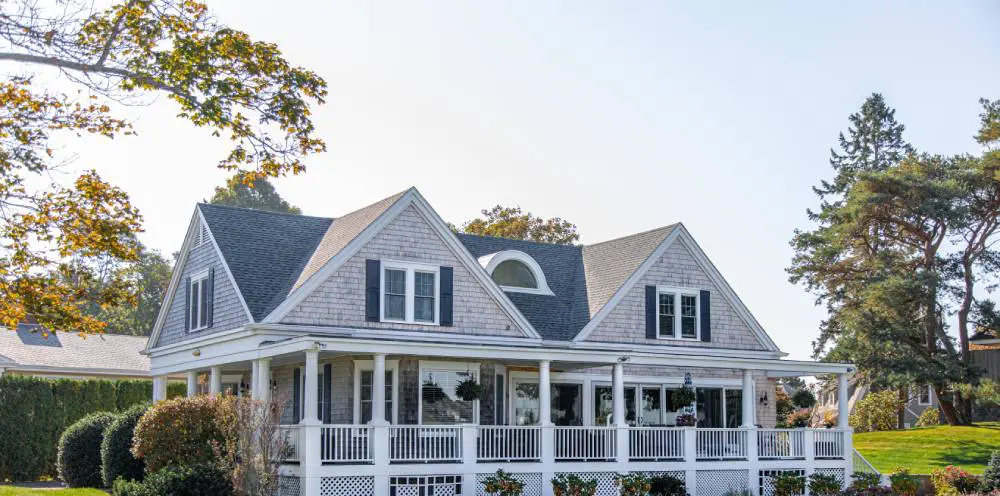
(781, 443)
(584, 443)
(425, 444)
(291, 434)
(829, 443)
(656, 443)
(721, 444)
(509, 443)
(346, 444)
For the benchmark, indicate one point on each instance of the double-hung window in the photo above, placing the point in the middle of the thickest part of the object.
(410, 292)
(198, 301)
(924, 395)
(677, 313)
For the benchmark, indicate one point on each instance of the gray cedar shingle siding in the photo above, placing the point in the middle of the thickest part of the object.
(340, 300)
(229, 311)
(677, 267)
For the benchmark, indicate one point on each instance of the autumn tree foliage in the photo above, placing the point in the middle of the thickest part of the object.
(55, 232)
(514, 223)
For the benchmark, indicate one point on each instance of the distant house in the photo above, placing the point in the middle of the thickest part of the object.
(66, 355)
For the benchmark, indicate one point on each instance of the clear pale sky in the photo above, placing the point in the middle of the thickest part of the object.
(618, 116)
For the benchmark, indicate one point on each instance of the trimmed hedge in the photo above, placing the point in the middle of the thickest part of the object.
(181, 431)
(35, 412)
(194, 480)
(116, 448)
(79, 459)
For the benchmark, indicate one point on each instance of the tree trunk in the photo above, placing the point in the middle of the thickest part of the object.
(904, 398)
(947, 407)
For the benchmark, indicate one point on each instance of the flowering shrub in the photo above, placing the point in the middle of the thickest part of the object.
(903, 483)
(798, 418)
(633, 484)
(502, 484)
(788, 484)
(877, 411)
(573, 485)
(824, 485)
(952, 480)
(928, 417)
(862, 481)
(182, 431)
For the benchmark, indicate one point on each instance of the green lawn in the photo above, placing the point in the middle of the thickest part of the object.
(24, 491)
(924, 449)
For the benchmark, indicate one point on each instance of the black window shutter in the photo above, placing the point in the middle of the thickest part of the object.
(187, 304)
(296, 395)
(372, 289)
(446, 305)
(651, 312)
(327, 391)
(706, 316)
(210, 309)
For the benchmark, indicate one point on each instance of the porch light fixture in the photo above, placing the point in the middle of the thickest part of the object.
(763, 399)
(196, 352)
(623, 359)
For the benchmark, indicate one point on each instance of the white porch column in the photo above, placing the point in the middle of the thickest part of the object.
(548, 434)
(749, 399)
(618, 393)
(192, 383)
(215, 381)
(254, 379)
(378, 389)
(264, 379)
(159, 387)
(843, 409)
(544, 393)
(310, 457)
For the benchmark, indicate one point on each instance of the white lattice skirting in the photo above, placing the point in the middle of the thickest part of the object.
(531, 482)
(605, 481)
(347, 486)
(766, 482)
(720, 482)
(288, 486)
(836, 472)
(429, 485)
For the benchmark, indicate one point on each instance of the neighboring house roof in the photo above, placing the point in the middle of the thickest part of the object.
(265, 251)
(273, 256)
(29, 349)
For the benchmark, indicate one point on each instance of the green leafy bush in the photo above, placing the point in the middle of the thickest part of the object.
(788, 484)
(798, 418)
(192, 480)
(953, 480)
(35, 412)
(991, 476)
(573, 485)
(877, 411)
(116, 448)
(930, 416)
(633, 484)
(181, 431)
(804, 398)
(863, 481)
(903, 483)
(502, 484)
(667, 485)
(79, 459)
(824, 485)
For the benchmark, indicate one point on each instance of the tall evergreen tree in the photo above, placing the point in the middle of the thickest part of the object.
(258, 194)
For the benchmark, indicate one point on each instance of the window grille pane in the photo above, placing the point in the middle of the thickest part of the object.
(395, 294)
(423, 309)
(689, 327)
(667, 315)
(366, 395)
(526, 406)
(195, 303)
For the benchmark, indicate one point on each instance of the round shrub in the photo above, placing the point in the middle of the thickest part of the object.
(116, 448)
(192, 480)
(181, 431)
(804, 398)
(877, 411)
(79, 453)
(929, 417)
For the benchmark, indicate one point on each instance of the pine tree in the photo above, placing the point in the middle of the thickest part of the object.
(258, 194)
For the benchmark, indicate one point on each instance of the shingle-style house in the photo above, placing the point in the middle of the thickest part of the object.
(369, 325)
(30, 351)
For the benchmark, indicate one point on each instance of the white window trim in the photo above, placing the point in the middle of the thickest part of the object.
(197, 278)
(409, 293)
(678, 292)
(930, 395)
(472, 367)
(369, 365)
(490, 262)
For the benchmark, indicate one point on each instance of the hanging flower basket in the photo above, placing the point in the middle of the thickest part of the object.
(469, 390)
(683, 396)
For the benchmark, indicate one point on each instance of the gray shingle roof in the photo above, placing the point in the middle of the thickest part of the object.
(265, 251)
(610, 263)
(65, 351)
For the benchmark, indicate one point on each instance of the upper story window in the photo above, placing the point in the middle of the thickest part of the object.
(677, 313)
(410, 292)
(924, 395)
(200, 300)
(516, 271)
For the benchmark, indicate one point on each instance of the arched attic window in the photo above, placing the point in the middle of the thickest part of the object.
(515, 271)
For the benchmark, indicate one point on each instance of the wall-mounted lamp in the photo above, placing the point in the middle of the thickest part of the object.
(196, 352)
(763, 399)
